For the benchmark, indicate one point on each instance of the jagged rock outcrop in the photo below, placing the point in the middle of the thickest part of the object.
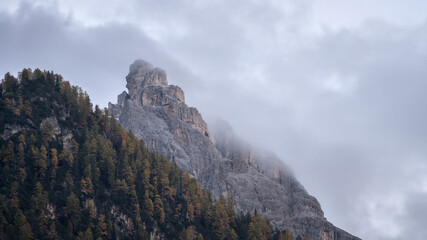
(156, 112)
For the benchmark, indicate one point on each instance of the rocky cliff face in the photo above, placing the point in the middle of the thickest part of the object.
(156, 112)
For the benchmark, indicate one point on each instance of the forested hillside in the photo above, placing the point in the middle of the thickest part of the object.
(71, 172)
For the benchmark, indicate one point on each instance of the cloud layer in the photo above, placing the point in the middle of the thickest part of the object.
(342, 102)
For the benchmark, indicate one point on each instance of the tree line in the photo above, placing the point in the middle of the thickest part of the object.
(70, 171)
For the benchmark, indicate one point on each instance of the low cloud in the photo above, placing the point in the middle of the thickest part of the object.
(94, 57)
(345, 108)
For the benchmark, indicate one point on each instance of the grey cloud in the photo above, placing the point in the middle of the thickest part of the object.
(346, 109)
(415, 218)
(350, 147)
(95, 58)
(370, 131)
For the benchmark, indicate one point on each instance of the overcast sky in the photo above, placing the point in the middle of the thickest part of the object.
(337, 88)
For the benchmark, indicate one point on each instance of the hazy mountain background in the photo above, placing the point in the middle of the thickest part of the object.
(336, 89)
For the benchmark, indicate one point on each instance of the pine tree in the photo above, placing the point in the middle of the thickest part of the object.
(252, 232)
(188, 234)
(258, 228)
(86, 235)
(20, 162)
(148, 205)
(39, 202)
(72, 209)
(86, 188)
(101, 227)
(190, 212)
(4, 211)
(9, 83)
(92, 212)
(47, 134)
(53, 162)
(40, 162)
(158, 209)
(8, 160)
(66, 157)
(13, 196)
(221, 225)
(52, 232)
(22, 230)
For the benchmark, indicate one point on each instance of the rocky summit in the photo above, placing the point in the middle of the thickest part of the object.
(256, 181)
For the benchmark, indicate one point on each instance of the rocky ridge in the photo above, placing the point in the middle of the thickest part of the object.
(156, 112)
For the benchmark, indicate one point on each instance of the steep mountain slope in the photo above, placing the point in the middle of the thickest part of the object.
(156, 112)
(68, 172)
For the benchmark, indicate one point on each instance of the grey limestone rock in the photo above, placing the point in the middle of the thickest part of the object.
(142, 74)
(156, 112)
(10, 130)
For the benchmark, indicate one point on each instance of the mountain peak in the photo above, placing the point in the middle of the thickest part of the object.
(142, 74)
(221, 162)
